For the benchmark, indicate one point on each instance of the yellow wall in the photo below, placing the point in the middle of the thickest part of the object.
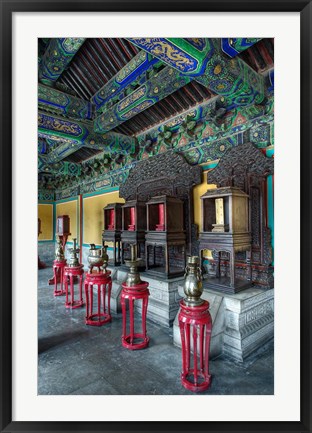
(198, 191)
(93, 216)
(45, 213)
(69, 208)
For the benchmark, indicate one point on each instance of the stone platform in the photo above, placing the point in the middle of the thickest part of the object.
(241, 323)
(163, 303)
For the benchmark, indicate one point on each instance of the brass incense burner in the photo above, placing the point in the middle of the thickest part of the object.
(98, 257)
(193, 286)
(133, 277)
(59, 252)
(73, 259)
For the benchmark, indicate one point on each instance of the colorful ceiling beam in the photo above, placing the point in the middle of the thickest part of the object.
(203, 60)
(62, 151)
(73, 134)
(43, 165)
(233, 46)
(60, 103)
(189, 56)
(135, 73)
(234, 81)
(167, 81)
(58, 168)
(57, 57)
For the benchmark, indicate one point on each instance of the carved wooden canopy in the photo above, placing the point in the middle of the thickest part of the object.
(168, 173)
(239, 163)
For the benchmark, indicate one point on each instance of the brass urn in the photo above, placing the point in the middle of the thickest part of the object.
(193, 286)
(59, 252)
(133, 277)
(98, 257)
(73, 259)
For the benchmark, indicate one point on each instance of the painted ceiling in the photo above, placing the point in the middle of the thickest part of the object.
(116, 101)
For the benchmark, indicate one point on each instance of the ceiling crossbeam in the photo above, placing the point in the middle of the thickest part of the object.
(203, 60)
(58, 55)
(73, 135)
(234, 46)
(162, 84)
(133, 74)
(63, 104)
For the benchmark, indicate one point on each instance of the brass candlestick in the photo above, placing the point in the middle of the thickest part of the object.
(133, 277)
(73, 259)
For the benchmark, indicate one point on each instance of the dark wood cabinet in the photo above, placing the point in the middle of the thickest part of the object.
(225, 222)
(63, 225)
(112, 229)
(165, 240)
(112, 217)
(133, 228)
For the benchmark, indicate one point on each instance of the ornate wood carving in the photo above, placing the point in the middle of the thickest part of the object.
(246, 167)
(239, 164)
(164, 174)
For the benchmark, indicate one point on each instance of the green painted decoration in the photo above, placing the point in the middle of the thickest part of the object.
(74, 134)
(57, 56)
(59, 103)
(196, 134)
(161, 85)
(142, 67)
(233, 46)
(231, 78)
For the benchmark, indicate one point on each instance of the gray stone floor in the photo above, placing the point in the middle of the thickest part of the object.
(79, 359)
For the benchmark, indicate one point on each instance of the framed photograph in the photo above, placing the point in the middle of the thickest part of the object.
(176, 127)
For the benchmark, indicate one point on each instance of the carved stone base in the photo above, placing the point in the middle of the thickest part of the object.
(241, 323)
(163, 302)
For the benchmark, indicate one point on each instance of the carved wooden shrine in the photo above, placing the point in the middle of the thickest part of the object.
(133, 228)
(234, 221)
(63, 229)
(170, 176)
(112, 229)
(165, 241)
(226, 229)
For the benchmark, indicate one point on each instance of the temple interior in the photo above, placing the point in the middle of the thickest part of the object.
(155, 216)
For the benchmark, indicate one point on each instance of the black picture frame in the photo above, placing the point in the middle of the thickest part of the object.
(7, 9)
